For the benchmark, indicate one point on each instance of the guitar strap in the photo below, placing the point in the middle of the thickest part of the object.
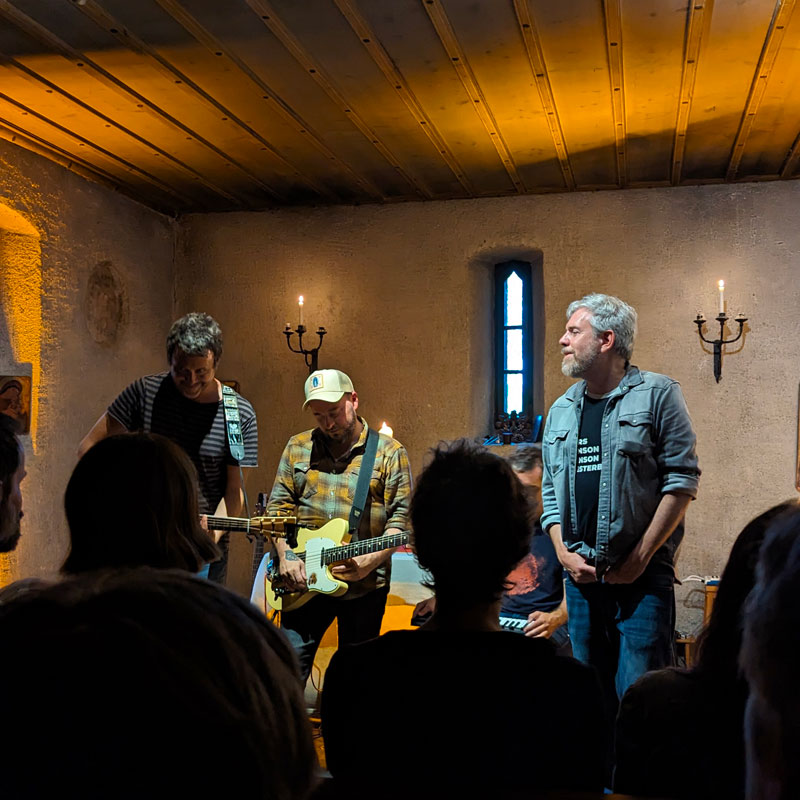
(364, 475)
(233, 426)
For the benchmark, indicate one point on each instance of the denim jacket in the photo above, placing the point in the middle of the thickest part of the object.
(648, 447)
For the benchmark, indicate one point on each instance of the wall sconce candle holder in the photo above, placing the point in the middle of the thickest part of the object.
(311, 355)
(722, 318)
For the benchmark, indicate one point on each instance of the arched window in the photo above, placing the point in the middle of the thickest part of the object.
(516, 345)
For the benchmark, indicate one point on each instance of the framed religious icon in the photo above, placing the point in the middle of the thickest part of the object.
(15, 399)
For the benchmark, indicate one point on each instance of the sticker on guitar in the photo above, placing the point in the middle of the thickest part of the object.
(320, 549)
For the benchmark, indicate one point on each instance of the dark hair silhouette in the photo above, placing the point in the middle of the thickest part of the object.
(149, 683)
(132, 501)
(721, 640)
(470, 516)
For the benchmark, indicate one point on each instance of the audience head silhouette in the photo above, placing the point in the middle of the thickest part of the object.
(470, 517)
(771, 662)
(132, 501)
(721, 640)
(149, 683)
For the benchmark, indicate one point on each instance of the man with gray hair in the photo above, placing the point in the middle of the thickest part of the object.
(619, 472)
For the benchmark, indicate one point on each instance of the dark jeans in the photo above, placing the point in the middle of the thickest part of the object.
(623, 631)
(359, 620)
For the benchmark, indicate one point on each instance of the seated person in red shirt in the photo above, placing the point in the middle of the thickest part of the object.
(461, 703)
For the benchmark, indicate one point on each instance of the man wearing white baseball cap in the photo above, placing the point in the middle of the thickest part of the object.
(317, 481)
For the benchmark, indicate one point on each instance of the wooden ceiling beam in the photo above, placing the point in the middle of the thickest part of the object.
(130, 41)
(396, 79)
(82, 141)
(769, 52)
(533, 47)
(49, 86)
(460, 63)
(42, 35)
(268, 16)
(613, 25)
(698, 16)
(290, 116)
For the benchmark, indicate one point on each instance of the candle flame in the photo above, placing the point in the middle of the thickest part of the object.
(721, 285)
(385, 429)
(300, 300)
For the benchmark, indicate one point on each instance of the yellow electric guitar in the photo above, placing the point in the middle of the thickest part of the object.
(320, 549)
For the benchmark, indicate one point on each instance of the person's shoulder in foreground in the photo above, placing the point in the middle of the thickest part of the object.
(477, 708)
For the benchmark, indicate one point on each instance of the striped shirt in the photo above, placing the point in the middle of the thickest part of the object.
(154, 404)
(317, 488)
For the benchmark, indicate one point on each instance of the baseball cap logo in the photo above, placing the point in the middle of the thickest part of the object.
(316, 382)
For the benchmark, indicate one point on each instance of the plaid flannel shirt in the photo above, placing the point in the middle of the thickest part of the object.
(317, 488)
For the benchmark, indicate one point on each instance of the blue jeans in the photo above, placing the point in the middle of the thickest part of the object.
(623, 630)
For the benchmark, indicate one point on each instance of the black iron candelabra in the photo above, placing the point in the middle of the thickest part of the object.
(722, 318)
(310, 355)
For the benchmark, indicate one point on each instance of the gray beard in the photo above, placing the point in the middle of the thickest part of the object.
(579, 366)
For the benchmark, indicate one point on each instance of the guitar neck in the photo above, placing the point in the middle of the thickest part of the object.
(274, 526)
(330, 555)
(228, 524)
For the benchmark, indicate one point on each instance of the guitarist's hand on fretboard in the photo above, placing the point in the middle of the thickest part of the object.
(358, 567)
(217, 535)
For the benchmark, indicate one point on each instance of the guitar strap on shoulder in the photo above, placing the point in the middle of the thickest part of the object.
(364, 475)
(233, 426)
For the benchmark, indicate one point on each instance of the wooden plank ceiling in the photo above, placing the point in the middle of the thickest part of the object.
(209, 105)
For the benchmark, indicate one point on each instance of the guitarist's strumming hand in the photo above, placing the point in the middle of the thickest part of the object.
(292, 572)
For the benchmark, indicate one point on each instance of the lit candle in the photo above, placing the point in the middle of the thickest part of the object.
(721, 297)
(386, 429)
(300, 305)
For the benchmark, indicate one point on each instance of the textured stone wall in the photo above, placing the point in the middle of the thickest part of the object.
(86, 295)
(405, 293)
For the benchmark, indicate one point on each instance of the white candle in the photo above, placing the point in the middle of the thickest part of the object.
(300, 305)
(721, 297)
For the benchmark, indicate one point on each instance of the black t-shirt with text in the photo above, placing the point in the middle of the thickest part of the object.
(587, 472)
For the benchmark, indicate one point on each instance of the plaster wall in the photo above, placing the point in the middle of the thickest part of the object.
(405, 293)
(70, 227)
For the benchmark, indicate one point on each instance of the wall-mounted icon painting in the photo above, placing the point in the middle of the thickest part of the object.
(15, 399)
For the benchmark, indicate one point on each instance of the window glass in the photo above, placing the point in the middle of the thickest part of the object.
(513, 299)
(514, 392)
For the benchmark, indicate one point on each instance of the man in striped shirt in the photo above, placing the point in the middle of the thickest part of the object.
(185, 405)
(316, 481)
